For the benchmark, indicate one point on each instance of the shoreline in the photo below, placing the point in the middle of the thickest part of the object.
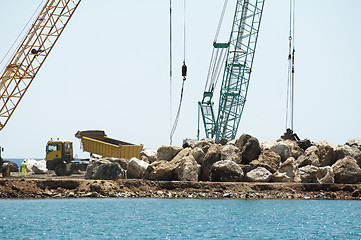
(42, 187)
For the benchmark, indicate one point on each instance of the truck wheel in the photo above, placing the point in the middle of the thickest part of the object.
(60, 169)
(68, 173)
(5, 170)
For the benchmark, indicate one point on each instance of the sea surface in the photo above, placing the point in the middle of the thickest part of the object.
(18, 161)
(147, 218)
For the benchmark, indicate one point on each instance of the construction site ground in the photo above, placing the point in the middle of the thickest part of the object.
(35, 186)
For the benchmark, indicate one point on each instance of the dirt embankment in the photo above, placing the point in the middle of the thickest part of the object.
(75, 187)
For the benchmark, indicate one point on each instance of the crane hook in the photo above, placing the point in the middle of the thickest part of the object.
(184, 70)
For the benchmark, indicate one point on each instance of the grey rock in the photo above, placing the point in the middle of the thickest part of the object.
(354, 142)
(304, 144)
(259, 174)
(121, 161)
(249, 147)
(160, 170)
(270, 158)
(342, 151)
(325, 175)
(279, 147)
(326, 155)
(295, 150)
(198, 154)
(347, 170)
(226, 171)
(312, 154)
(287, 172)
(308, 174)
(136, 168)
(213, 155)
(230, 152)
(187, 169)
(303, 160)
(109, 171)
(149, 154)
(167, 152)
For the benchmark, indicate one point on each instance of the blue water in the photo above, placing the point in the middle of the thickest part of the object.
(179, 219)
(18, 161)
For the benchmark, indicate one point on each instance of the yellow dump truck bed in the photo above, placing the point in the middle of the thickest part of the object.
(96, 141)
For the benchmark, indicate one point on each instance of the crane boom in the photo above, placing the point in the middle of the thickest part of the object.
(31, 54)
(237, 71)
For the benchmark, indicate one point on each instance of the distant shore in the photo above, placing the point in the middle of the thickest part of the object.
(51, 186)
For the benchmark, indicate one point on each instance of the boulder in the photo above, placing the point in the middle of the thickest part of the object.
(198, 154)
(39, 167)
(325, 175)
(136, 168)
(255, 164)
(183, 153)
(270, 158)
(203, 144)
(259, 174)
(312, 154)
(213, 155)
(121, 161)
(160, 170)
(104, 169)
(13, 166)
(187, 169)
(249, 148)
(223, 141)
(279, 147)
(295, 150)
(167, 152)
(354, 142)
(148, 155)
(226, 171)
(326, 155)
(304, 144)
(308, 174)
(230, 152)
(303, 160)
(181, 169)
(347, 170)
(342, 151)
(287, 172)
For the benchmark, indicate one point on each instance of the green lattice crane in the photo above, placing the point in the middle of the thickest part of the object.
(236, 60)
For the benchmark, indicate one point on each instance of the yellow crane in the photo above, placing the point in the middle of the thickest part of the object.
(31, 54)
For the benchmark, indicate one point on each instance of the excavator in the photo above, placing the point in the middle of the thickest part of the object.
(30, 56)
(235, 58)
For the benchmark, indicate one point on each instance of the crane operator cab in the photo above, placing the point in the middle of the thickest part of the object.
(58, 156)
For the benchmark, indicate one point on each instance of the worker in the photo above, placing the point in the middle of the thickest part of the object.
(23, 168)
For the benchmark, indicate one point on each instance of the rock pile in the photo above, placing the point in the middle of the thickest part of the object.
(244, 159)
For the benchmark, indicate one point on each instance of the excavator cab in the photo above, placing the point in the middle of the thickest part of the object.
(58, 154)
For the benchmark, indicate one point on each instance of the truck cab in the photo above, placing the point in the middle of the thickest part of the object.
(58, 154)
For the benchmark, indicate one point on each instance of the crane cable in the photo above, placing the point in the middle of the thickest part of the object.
(170, 67)
(217, 58)
(291, 68)
(184, 75)
(20, 34)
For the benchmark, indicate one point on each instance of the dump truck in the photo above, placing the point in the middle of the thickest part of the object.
(59, 157)
(59, 154)
(97, 142)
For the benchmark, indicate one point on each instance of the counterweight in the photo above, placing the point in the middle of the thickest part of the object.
(31, 54)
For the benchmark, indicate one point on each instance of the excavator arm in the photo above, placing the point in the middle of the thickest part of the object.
(31, 54)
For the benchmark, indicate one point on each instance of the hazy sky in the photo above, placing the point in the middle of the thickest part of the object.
(110, 70)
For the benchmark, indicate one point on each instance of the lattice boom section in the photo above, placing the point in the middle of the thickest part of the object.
(32, 53)
(238, 67)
